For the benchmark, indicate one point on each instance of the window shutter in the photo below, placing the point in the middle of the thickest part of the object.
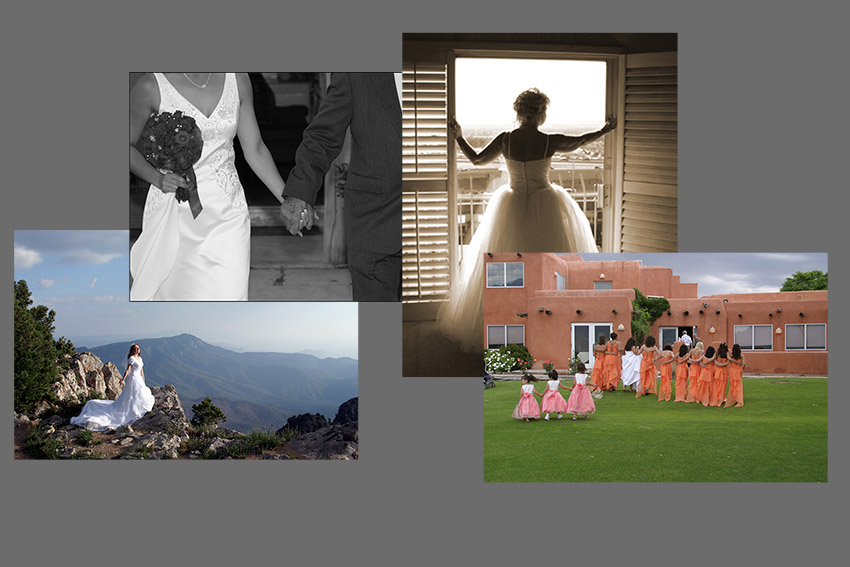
(425, 198)
(650, 165)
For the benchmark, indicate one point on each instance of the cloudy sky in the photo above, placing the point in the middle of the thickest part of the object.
(84, 277)
(727, 272)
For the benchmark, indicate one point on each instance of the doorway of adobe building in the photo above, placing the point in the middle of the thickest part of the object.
(584, 335)
(669, 335)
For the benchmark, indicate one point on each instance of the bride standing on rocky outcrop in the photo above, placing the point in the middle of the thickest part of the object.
(134, 402)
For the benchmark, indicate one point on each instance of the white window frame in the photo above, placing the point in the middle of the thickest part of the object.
(806, 337)
(593, 338)
(505, 274)
(505, 327)
(661, 334)
(753, 337)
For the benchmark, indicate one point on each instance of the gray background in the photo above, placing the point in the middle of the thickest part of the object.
(762, 138)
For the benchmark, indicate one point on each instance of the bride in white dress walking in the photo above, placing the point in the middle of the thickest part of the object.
(177, 256)
(529, 215)
(134, 401)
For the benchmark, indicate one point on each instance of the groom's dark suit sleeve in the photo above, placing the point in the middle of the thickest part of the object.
(322, 141)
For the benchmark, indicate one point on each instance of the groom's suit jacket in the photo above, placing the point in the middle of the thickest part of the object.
(367, 103)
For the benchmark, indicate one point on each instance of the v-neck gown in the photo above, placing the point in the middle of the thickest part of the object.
(529, 215)
(178, 257)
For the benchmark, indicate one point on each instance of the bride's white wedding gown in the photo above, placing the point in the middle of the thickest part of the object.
(178, 257)
(529, 215)
(134, 401)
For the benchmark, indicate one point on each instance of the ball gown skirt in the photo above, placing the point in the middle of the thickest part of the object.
(527, 407)
(580, 400)
(529, 215)
(553, 401)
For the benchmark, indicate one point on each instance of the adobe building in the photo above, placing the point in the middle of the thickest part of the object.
(557, 305)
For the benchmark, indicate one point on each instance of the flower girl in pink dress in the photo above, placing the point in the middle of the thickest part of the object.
(527, 405)
(553, 401)
(581, 402)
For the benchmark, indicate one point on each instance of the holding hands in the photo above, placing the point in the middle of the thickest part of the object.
(297, 214)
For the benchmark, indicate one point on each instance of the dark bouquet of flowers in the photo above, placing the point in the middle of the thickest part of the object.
(172, 142)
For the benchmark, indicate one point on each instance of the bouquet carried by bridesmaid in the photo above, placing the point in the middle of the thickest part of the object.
(172, 142)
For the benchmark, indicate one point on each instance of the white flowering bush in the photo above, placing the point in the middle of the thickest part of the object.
(495, 361)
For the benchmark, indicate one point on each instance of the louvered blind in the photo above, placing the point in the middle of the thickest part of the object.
(650, 167)
(425, 198)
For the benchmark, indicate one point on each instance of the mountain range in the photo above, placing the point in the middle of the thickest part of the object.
(254, 389)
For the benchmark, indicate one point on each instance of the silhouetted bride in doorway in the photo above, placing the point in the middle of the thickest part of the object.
(528, 215)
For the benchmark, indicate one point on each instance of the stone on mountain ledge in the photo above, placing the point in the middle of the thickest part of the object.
(335, 442)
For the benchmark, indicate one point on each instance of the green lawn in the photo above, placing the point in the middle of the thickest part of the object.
(779, 435)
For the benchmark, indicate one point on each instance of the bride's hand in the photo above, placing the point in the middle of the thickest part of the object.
(455, 129)
(170, 182)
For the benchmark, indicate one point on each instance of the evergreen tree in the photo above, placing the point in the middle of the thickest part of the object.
(207, 415)
(35, 350)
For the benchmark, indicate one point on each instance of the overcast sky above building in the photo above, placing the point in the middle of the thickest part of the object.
(84, 276)
(719, 273)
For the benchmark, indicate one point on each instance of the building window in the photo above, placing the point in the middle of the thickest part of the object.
(505, 274)
(560, 281)
(805, 337)
(498, 335)
(603, 285)
(754, 337)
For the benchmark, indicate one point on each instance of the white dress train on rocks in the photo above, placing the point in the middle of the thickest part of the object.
(529, 215)
(134, 402)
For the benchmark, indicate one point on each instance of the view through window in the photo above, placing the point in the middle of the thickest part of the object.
(485, 90)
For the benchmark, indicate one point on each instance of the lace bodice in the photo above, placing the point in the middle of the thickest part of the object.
(217, 130)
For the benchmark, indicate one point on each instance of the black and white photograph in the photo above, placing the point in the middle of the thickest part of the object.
(527, 143)
(272, 186)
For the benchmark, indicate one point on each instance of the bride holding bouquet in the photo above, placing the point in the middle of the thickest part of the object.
(195, 241)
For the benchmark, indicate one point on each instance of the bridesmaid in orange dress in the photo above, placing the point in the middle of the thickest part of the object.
(721, 377)
(736, 372)
(693, 375)
(613, 367)
(667, 357)
(648, 372)
(705, 376)
(599, 358)
(682, 373)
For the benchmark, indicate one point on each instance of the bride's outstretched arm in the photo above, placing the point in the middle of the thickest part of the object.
(257, 155)
(488, 154)
(144, 100)
(563, 143)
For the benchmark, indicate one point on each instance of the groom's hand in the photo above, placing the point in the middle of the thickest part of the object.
(296, 214)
